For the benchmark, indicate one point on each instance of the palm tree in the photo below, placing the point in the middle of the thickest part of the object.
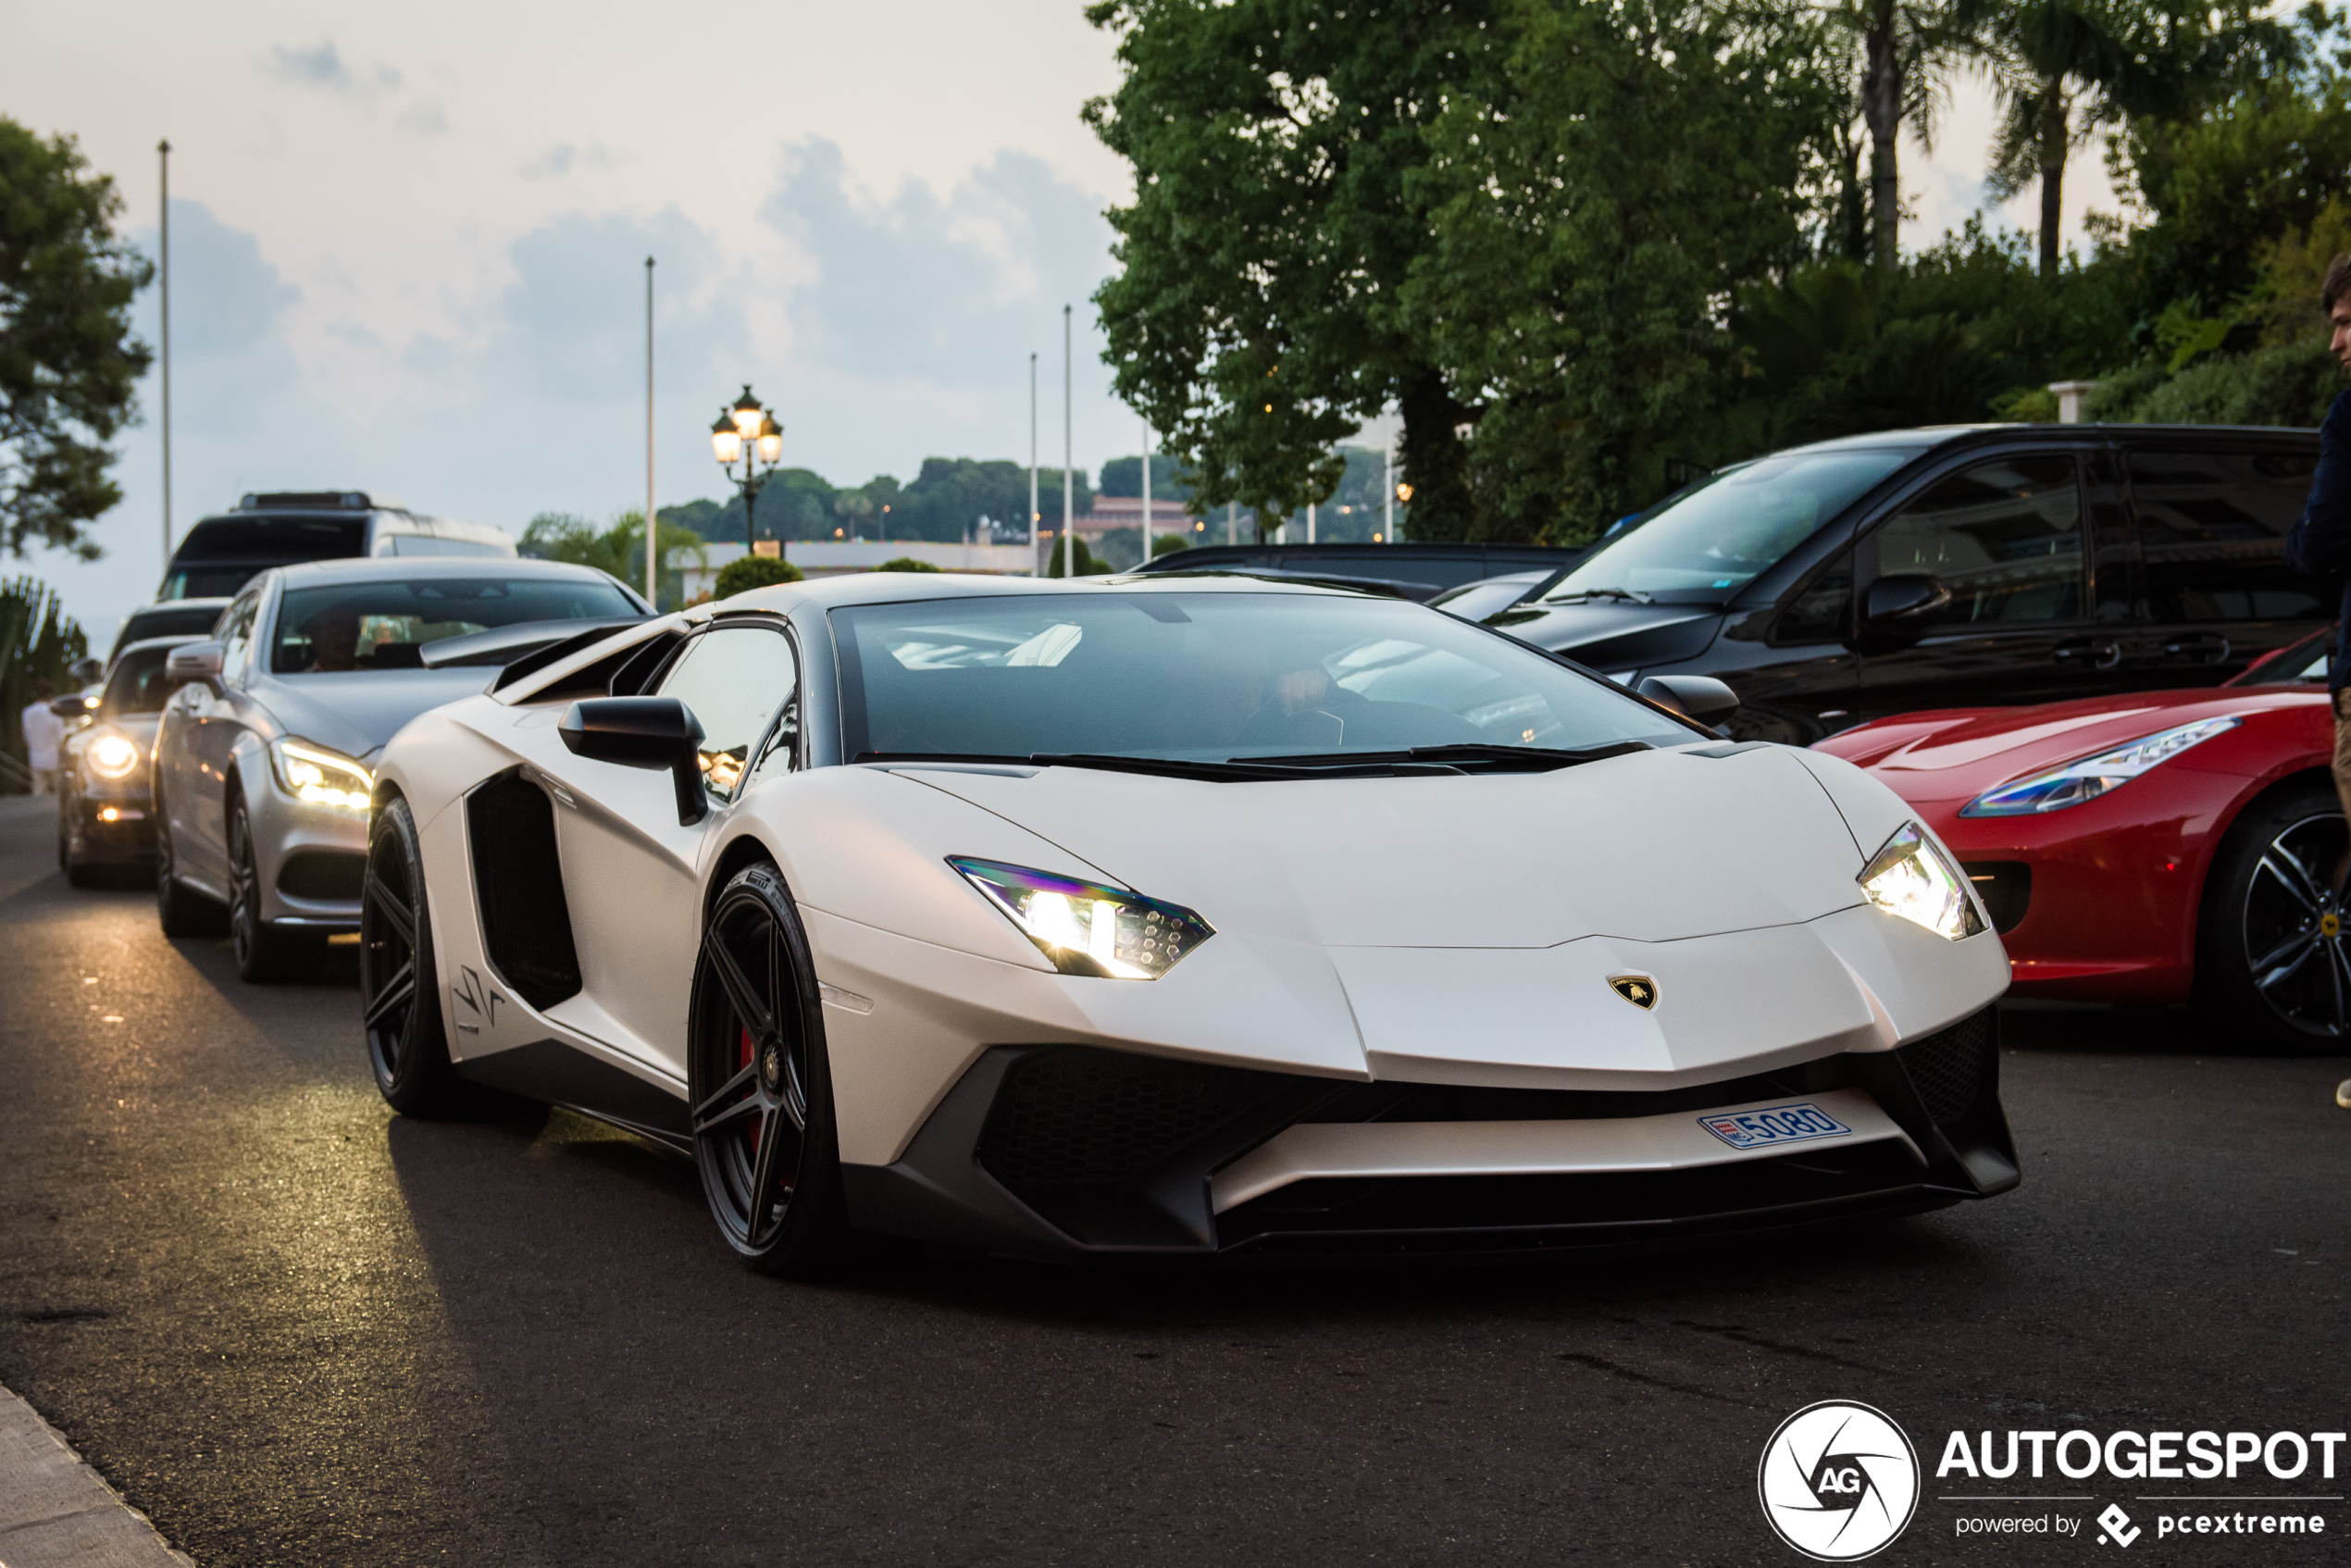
(1906, 47)
(2063, 67)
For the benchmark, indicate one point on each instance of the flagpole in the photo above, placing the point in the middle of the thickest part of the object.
(1032, 464)
(652, 550)
(1069, 455)
(163, 157)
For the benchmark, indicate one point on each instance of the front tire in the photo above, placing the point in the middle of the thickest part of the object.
(263, 952)
(399, 987)
(760, 1083)
(2273, 964)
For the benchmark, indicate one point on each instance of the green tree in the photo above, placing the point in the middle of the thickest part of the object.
(1591, 199)
(1254, 318)
(1902, 50)
(906, 564)
(68, 366)
(618, 548)
(38, 640)
(746, 572)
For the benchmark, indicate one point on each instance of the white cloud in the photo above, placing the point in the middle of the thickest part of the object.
(321, 66)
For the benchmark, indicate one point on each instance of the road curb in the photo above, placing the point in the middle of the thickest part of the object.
(58, 1513)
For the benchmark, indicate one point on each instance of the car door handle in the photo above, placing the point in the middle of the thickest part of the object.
(2208, 647)
(2099, 653)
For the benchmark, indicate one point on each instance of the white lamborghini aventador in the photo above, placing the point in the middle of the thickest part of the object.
(1177, 914)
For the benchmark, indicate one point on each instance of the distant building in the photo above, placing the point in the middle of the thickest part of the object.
(1127, 511)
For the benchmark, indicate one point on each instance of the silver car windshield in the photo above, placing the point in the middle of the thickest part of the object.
(1207, 678)
(1715, 537)
(385, 625)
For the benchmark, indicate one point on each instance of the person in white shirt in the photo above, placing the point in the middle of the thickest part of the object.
(42, 731)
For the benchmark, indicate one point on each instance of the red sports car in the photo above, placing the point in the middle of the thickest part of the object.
(2155, 846)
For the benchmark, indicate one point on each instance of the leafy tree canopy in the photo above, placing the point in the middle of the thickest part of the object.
(69, 365)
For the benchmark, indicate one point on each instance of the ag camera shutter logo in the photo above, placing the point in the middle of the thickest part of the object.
(1840, 1481)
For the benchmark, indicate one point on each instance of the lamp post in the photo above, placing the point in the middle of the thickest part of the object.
(748, 434)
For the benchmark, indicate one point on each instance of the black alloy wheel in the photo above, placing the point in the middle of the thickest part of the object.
(181, 911)
(399, 990)
(759, 1083)
(263, 952)
(2272, 958)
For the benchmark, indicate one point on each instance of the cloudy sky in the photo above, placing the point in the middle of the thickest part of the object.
(408, 242)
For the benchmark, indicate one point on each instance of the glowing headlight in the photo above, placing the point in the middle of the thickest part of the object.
(2092, 777)
(320, 777)
(1086, 928)
(111, 756)
(1909, 877)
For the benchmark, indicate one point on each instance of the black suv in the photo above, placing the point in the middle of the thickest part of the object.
(1952, 567)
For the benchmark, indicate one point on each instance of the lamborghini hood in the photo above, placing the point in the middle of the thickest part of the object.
(1653, 846)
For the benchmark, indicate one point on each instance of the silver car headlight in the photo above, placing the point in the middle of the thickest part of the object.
(111, 755)
(1086, 927)
(318, 777)
(2093, 777)
(1910, 876)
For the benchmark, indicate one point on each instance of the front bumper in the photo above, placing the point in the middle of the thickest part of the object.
(311, 861)
(110, 829)
(1080, 1149)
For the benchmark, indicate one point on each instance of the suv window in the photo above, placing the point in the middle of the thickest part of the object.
(2212, 528)
(2004, 537)
(734, 678)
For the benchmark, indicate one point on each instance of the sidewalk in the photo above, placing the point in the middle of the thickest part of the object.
(57, 1512)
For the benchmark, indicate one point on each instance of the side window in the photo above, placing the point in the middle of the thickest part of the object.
(236, 636)
(734, 679)
(2212, 528)
(2004, 538)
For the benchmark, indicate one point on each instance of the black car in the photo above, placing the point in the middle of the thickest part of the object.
(266, 528)
(170, 617)
(1982, 565)
(1410, 571)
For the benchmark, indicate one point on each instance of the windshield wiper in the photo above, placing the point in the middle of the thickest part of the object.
(1169, 767)
(1463, 757)
(1628, 595)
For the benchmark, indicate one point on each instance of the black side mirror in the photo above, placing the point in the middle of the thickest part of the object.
(1699, 698)
(642, 732)
(85, 672)
(1905, 597)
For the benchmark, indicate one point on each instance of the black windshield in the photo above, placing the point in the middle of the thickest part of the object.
(368, 626)
(1207, 678)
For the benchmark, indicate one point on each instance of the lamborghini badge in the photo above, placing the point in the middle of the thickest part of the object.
(1639, 989)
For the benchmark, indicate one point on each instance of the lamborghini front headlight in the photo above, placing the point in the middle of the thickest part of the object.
(1086, 928)
(1911, 877)
(318, 777)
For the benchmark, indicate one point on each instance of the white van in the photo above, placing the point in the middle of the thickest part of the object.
(221, 553)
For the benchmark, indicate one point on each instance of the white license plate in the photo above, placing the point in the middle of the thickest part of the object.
(1780, 1123)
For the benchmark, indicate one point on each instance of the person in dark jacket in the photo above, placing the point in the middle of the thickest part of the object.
(2319, 544)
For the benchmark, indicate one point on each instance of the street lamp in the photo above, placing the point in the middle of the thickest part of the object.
(748, 434)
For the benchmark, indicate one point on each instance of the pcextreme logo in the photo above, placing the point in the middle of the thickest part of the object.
(1838, 1481)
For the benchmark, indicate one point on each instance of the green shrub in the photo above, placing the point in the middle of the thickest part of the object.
(1168, 543)
(1086, 564)
(2293, 384)
(753, 571)
(906, 564)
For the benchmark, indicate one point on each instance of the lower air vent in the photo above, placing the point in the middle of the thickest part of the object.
(1951, 1067)
(518, 881)
(1069, 1117)
(325, 876)
(2006, 887)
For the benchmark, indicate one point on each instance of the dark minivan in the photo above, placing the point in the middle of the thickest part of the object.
(1951, 567)
(221, 553)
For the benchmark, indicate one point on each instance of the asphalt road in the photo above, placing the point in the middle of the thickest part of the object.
(296, 1329)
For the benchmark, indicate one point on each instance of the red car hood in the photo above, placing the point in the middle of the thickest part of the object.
(1957, 753)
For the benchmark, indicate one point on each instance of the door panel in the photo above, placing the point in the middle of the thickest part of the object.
(2215, 592)
(631, 873)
